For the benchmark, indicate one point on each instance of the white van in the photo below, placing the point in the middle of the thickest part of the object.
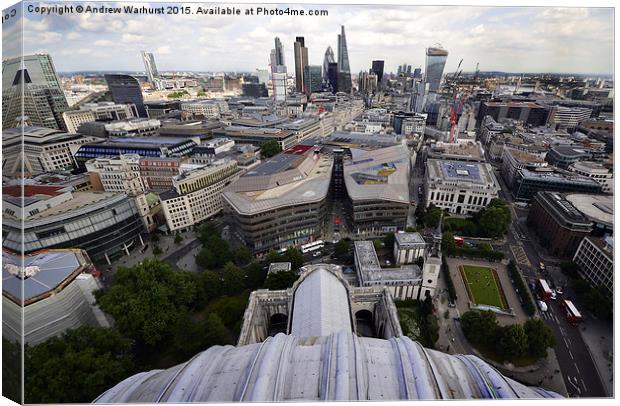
(542, 306)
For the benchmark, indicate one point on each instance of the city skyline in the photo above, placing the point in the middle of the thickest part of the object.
(510, 39)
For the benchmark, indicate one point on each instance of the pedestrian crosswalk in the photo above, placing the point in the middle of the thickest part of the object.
(520, 255)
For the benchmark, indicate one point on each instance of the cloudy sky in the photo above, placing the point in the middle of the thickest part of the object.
(512, 39)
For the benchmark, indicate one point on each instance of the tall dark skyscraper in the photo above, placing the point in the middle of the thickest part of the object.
(435, 62)
(126, 89)
(149, 66)
(329, 58)
(301, 61)
(344, 75)
(31, 82)
(377, 68)
(417, 73)
(332, 76)
(312, 78)
(277, 56)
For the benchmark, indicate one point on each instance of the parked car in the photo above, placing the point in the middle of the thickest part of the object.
(559, 290)
(317, 254)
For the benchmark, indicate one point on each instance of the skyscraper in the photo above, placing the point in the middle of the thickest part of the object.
(149, 66)
(329, 58)
(435, 62)
(417, 73)
(344, 74)
(278, 72)
(377, 68)
(332, 76)
(126, 89)
(31, 88)
(312, 78)
(301, 61)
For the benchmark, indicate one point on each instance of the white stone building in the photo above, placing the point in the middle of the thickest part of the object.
(459, 187)
(408, 247)
(595, 257)
(596, 171)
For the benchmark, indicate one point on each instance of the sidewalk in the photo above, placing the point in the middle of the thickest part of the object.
(599, 339)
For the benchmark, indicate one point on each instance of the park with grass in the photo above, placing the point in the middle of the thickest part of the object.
(483, 286)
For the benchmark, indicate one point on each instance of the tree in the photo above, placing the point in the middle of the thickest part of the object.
(256, 275)
(494, 220)
(280, 280)
(570, 269)
(156, 250)
(205, 258)
(178, 238)
(447, 242)
(513, 342)
(77, 366)
(599, 304)
(270, 148)
(233, 281)
(479, 327)
(388, 239)
(580, 286)
(211, 285)
(378, 244)
(144, 300)
(188, 335)
(294, 256)
(242, 255)
(273, 256)
(341, 249)
(539, 337)
(432, 216)
(155, 238)
(215, 332)
(12, 370)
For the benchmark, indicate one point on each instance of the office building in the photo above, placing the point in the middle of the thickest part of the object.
(208, 109)
(596, 171)
(367, 83)
(408, 248)
(104, 224)
(134, 127)
(568, 118)
(48, 293)
(102, 111)
(196, 194)
(327, 59)
(255, 90)
(126, 89)
(458, 186)
(417, 73)
(528, 113)
(149, 66)
(143, 146)
(120, 174)
(558, 223)
(313, 81)
(419, 96)
(31, 93)
(35, 150)
(159, 108)
(599, 209)
(281, 202)
(468, 151)
(332, 76)
(301, 61)
(377, 69)
(563, 156)
(513, 160)
(435, 62)
(530, 182)
(344, 69)
(595, 257)
(277, 55)
(377, 185)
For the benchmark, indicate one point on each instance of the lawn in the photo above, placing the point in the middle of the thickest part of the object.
(482, 286)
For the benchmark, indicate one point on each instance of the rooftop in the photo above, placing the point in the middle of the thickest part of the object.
(79, 200)
(409, 239)
(598, 208)
(41, 274)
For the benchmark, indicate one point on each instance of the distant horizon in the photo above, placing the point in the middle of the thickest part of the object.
(501, 39)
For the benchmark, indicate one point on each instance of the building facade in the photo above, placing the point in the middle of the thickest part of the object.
(595, 257)
(558, 223)
(435, 62)
(197, 194)
(126, 89)
(596, 171)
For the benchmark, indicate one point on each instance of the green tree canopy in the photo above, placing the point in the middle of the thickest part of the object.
(242, 255)
(539, 337)
(280, 280)
(294, 256)
(270, 148)
(233, 280)
(513, 342)
(178, 238)
(256, 274)
(145, 299)
(77, 366)
(479, 327)
(341, 249)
